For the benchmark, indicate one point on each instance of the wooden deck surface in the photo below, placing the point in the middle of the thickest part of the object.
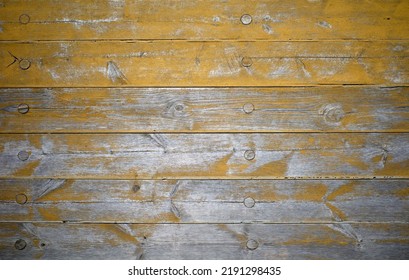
(136, 129)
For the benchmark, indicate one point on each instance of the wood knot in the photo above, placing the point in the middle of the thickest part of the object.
(175, 109)
(136, 188)
(332, 113)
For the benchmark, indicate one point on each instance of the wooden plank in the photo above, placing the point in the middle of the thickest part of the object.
(207, 156)
(223, 63)
(312, 109)
(198, 20)
(207, 201)
(205, 241)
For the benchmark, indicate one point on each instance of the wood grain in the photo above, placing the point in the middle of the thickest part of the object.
(205, 241)
(194, 63)
(311, 109)
(204, 201)
(204, 20)
(207, 156)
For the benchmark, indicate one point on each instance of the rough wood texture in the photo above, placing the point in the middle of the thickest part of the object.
(180, 63)
(225, 156)
(142, 129)
(211, 241)
(208, 201)
(198, 20)
(313, 109)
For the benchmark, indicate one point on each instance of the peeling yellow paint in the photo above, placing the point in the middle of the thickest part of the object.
(342, 190)
(28, 169)
(311, 193)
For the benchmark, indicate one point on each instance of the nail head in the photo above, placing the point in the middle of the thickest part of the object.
(24, 19)
(246, 19)
(21, 198)
(23, 155)
(23, 108)
(24, 64)
(249, 202)
(252, 244)
(246, 61)
(20, 244)
(248, 108)
(249, 154)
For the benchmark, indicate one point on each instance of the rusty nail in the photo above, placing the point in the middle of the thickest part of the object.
(20, 244)
(249, 202)
(248, 108)
(24, 19)
(246, 61)
(23, 155)
(252, 244)
(21, 198)
(23, 108)
(24, 64)
(246, 19)
(249, 154)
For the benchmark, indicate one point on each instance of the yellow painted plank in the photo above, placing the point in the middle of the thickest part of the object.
(204, 241)
(204, 20)
(311, 109)
(180, 63)
(204, 201)
(207, 156)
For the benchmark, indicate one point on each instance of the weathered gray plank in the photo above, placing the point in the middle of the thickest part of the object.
(207, 156)
(205, 241)
(194, 63)
(205, 201)
(309, 109)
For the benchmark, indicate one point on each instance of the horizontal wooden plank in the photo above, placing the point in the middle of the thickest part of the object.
(214, 156)
(198, 20)
(204, 241)
(207, 201)
(312, 109)
(194, 63)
